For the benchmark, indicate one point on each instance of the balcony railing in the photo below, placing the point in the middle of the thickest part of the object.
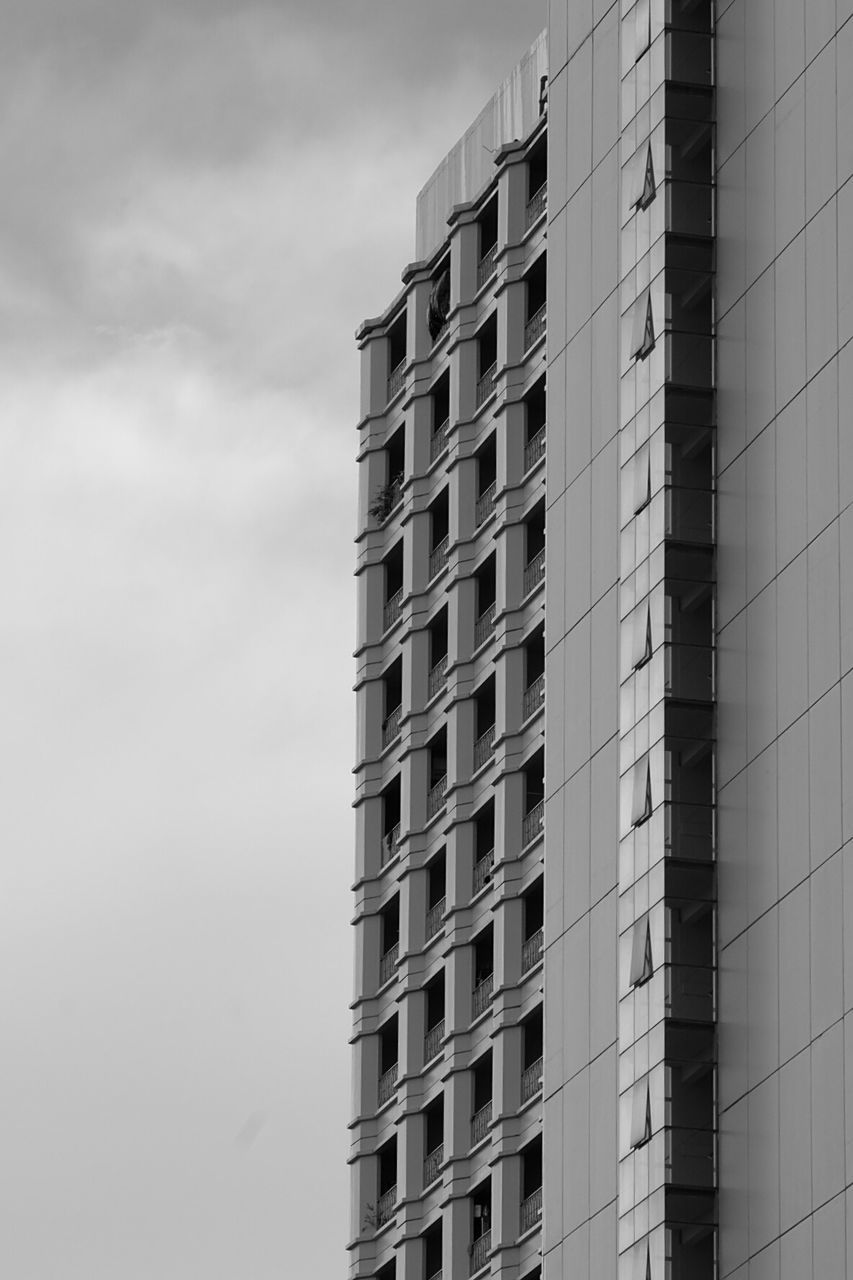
(486, 266)
(485, 504)
(433, 1163)
(387, 1084)
(437, 677)
(486, 384)
(480, 1250)
(386, 1205)
(388, 963)
(534, 696)
(435, 918)
(480, 1123)
(531, 951)
(534, 572)
(397, 379)
(531, 1080)
(393, 609)
(484, 625)
(535, 326)
(482, 996)
(531, 1210)
(536, 204)
(483, 748)
(436, 1275)
(533, 823)
(534, 449)
(391, 726)
(390, 841)
(435, 797)
(438, 443)
(438, 557)
(432, 1041)
(483, 869)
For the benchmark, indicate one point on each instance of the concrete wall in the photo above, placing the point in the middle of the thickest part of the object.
(785, 637)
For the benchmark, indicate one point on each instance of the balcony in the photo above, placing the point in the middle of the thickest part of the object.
(486, 384)
(388, 1084)
(391, 727)
(534, 696)
(397, 379)
(437, 677)
(483, 748)
(533, 823)
(435, 918)
(438, 443)
(534, 572)
(482, 996)
(480, 1250)
(531, 951)
(393, 609)
(385, 1207)
(390, 841)
(531, 1210)
(388, 963)
(432, 1165)
(436, 797)
(432, 1041)
(480, 1123)
(484, 626)
(483, 870)
(485, 504)
(537, 204)
(534, 449)
(531, 1080)
(438, 557)
(486, 266)
(535, 327)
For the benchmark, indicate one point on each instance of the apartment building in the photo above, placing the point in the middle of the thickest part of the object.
(615, 1043)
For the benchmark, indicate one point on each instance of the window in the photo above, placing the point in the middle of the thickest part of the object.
(484, 971)
(387, 1180)
(388, 1059)
(397, 355)
(437, 653)
(433, 1140)
(531, 1184)
(641, 1114)
(437, 773)
(484, 845)
(434, 1014)
(389, 943)
(537, 180)
(390, 798)
(534, 673)
(432, 1251)
(535, 310)
(436, 893)
(484, 723)
(393, 572)
(439, 516)
(486, 457)
(534, 533)
(533, 903)
(440, 397)
(641, 792)
(485, 579)
(439, 299)
(534, 424)
(482, 1094)
(642, 965)
(392, 696)
(487, 358)
(488, 231)
(643, 330)
(534, 798)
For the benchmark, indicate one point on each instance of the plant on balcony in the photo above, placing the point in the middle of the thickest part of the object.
(386, 499)
(439, 305)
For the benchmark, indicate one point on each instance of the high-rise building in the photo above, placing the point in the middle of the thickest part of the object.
(680, 1106)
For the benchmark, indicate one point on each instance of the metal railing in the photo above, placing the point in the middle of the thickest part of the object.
(533, 823)
(438, 557)
(486, 265)
(388, 1084)
(531, 951)
(435, 797)
(480, 1122)
(534, 572)
(485, 504)
(531, 1210)
(436, 1275)
(435, 918)
(397, 379)
(482, 996)
(388, 963)
(484, 625)
(483, 748)
(535, 326)
(534, 696)
(534, 449)
(433, 1163)
(486, 384)
(385, 1206)
(391, 726)
(483, 869)
(480, 1250)
(437, 677)
(531, 1080)
(389, 844)
(438, 443)
(393, 609)
(432, 1041)
(536, 204)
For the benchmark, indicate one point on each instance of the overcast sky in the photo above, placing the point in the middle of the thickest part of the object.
(201, 199)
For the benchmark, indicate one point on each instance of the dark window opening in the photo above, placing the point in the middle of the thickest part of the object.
(439, 299)
(484, 831)
(392, 693)
(390, 797)
(481, 1204)
(435, 1002)
(432, 1252)
(537, 167)
(488, 224)
(484, 702)
(437, 749)
(487, 347)
(532, 1041)
(484, 956)
(389, 919)
(437, 879)
(534, 909)
(397, 343)
(388, 1045)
